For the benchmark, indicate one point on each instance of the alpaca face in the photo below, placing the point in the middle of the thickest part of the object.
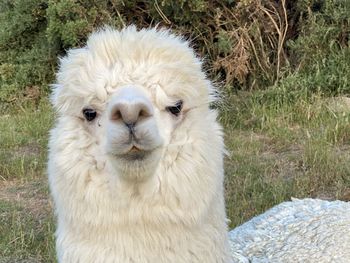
(130, 130)
(133, 142)
(132, 95)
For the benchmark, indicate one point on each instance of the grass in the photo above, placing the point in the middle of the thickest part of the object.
(297, 148)
(279, 147)
(23, 141)
(26, 223)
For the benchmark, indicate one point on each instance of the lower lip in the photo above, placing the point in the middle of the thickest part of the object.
(134, 154)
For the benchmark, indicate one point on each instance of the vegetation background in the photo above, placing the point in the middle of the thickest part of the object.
(282, 67)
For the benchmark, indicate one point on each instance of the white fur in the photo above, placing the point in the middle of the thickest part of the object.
(169, 208)
(304, 231)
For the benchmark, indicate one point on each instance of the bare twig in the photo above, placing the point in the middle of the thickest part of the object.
(160, 12)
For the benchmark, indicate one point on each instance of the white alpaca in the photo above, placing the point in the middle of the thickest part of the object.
(135, 161)
(304, 231)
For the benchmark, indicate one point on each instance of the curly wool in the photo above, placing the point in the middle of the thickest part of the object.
(305, 231)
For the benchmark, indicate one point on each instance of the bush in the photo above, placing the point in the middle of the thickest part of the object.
(26, 61)
(251, 44)
(321, 52)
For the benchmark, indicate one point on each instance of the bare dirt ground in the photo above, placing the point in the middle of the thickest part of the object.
(31, 196)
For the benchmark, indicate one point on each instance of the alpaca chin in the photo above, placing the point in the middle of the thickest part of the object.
(138, 166)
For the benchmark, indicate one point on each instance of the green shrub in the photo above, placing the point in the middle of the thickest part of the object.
(321, 52)
(25, 59)
(235, 37)
(70, 22)
(251, 44)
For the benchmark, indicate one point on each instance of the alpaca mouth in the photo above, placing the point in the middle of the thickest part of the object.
(135, 154)
(135, 149)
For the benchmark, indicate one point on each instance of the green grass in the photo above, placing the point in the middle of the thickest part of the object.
(279, 147)
(278, 150)
(26, 225)
(26, 221)
(23, 141)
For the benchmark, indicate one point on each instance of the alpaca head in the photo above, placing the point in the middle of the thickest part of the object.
(132, 98)
(135, 158)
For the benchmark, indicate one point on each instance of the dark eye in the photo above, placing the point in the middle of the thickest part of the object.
(175, 110)
(89, 114)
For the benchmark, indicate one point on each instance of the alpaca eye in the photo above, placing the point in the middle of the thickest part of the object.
(175, 110)
(89, 114)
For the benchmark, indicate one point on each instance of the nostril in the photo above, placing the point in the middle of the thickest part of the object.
(145, 112)
(116, 114)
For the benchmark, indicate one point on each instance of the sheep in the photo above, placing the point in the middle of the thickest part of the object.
(136, 155)
(302, 230)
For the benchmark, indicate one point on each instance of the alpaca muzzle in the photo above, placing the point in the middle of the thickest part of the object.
(132, 129)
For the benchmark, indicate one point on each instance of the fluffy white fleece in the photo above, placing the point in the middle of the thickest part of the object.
(302, 231)
(111, 208)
